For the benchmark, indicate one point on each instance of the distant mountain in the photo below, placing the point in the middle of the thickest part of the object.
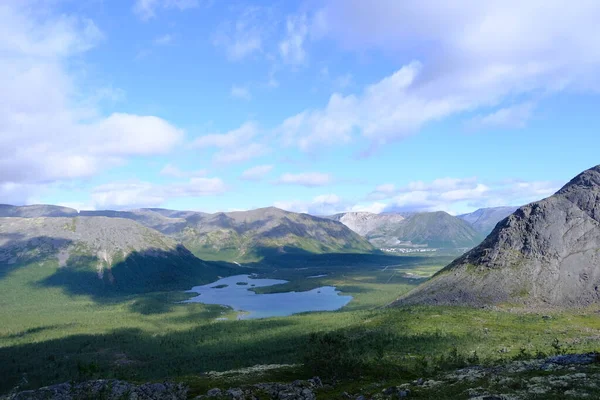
(545, 254)
(427, 229)
(248, 235)
(97, 254)
(34, 211)
(484, 220)
(366, 223)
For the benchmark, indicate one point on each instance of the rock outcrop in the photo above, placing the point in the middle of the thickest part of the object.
(104, 389)
(546, 254)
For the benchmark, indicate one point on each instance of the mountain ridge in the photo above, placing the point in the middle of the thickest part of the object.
(239, 235)
(545, 254)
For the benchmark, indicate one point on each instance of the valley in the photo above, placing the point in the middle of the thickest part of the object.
(118, 295)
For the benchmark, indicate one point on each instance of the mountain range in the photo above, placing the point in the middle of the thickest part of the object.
(423, 229)
(545, 254)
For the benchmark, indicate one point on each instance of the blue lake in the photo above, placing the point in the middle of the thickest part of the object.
(234, 292)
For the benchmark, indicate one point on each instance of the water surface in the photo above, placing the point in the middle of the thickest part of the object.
(232, 292)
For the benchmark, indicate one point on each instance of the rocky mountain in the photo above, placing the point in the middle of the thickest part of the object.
(437, 229)
(34, 211)
(427, 229)
(366, 223)
(247, 235)
(485, 219)
(545, 254)
(93, 253)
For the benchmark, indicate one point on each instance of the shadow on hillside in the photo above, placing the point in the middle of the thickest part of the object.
(17, 251)
(135, 355)
(149, 275)
(291, 257)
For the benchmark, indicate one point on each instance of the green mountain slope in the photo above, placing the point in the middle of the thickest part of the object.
(98, 255)
(427, 229)
(243, 236)
(437, 229)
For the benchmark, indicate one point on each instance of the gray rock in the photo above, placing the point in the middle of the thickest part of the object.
(235, 393)
(546, 254)
(214, 392)
(107, 390)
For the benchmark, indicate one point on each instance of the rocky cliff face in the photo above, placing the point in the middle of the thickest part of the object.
(545, 254)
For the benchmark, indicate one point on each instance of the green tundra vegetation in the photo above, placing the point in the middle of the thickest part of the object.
(51, 332)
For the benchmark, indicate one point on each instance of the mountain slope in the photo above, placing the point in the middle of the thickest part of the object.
(248, 235)
(427, 229)
(97, 254)
(35, 211)
(437, 229)
(484, 220)
(254, 234)
(547, 253)
(366, 223)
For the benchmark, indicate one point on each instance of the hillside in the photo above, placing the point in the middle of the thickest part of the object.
(96, 254)
(484, 220)
(366, 223)
(35, 211)
(427, 229)
(545, 254)
(248, 235)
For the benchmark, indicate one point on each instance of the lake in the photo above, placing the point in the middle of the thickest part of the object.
(235, 292)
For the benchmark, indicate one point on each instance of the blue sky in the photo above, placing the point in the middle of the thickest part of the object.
(312, 106)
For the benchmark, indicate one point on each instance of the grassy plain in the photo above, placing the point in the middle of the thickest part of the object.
(49, 334)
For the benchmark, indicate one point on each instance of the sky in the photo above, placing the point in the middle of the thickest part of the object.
(312, 106)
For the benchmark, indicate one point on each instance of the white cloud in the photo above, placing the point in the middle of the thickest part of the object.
(125, 195)
(513, 117)
(244, 37)
(49, 129)
(308, 179)
(326, 204)
(234, 146)
(241, 92)
(164, 40)
(385, 111)
(291, 47)
(172, 171)
(256, 173)
(233, 138)
(19, 193)
(374, 208)
(146, 9)
(472, 56)
(240, 154)
(456, 195)
(386, 188)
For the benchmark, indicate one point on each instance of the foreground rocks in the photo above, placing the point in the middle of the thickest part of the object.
(297, 390)
(573, 376)
(105, 390)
